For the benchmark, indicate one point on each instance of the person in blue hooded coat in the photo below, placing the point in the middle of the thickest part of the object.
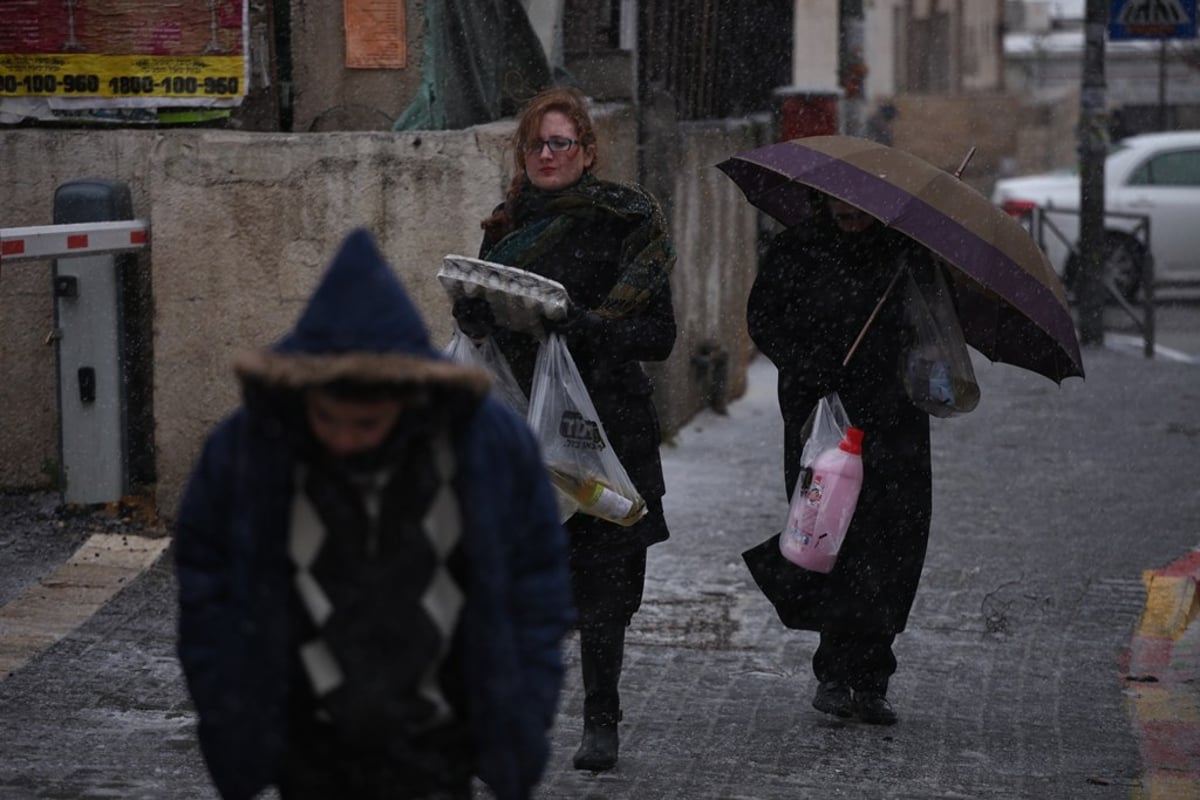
(373, 583)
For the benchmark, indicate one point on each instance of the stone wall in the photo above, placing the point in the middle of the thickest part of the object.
(942, 129)
(242, 225)
(1015, 134)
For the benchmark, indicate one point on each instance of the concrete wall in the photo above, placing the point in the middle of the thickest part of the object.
(242, 225)
(715, 232)
(28, 411)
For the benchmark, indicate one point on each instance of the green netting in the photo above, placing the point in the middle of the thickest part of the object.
(481, 61)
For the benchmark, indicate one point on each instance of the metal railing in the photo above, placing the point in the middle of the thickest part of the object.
(1038, 221)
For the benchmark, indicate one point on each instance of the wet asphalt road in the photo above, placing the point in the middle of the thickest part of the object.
(1048, 504)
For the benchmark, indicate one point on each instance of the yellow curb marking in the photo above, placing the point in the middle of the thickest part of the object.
(1167, 787)
(1161, 704)
(1170, 606)
(64, 600)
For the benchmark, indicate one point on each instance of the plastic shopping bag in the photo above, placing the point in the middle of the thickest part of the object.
(826, 494)
(487, 355)
(936, 370)
(825, 427)
(576, 450)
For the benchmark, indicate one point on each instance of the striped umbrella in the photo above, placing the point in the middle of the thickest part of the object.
(1012, 305)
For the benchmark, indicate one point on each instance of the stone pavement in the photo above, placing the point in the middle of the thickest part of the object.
(1049, 504)
(1029, 669)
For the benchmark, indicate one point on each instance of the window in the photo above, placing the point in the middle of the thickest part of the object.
(1180, 168)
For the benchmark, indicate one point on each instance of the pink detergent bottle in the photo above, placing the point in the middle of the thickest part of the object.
(819, 516)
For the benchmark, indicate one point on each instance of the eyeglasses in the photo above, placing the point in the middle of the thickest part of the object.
(557, 144)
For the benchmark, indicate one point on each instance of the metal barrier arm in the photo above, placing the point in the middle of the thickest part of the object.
(102, 356)
(76, 239)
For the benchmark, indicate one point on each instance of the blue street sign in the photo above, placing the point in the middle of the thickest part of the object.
(1152, 19)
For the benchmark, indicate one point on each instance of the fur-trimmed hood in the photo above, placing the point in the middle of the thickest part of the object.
(360, 326)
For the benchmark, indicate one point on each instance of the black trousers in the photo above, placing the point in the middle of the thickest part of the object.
(608, 592)
(863, 661)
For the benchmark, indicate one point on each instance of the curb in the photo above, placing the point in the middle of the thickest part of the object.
(1163, 660)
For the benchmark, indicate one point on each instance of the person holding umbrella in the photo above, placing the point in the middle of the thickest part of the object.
(608, 245)
(826, 311)
(817, 285)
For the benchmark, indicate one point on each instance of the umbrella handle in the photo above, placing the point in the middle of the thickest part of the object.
(874, 313)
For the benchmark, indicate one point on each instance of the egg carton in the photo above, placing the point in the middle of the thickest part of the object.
(520, 300)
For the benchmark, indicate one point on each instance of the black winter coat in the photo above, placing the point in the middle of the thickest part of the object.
(815, 289)
(236, 637)
(587, 265)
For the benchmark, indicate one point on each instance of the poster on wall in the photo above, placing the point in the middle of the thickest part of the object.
(87, 56)
(375, 37)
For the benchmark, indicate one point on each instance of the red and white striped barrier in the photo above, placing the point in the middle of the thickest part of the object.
(76, 239)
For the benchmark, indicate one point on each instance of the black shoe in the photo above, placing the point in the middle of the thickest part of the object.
(598, 750)
(833, 697)
(874, 709)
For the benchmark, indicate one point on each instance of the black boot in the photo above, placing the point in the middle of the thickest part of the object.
(601, 650)
(833, 697)
(873, 708)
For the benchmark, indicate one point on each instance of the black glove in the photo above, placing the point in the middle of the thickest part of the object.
(581, 329)
(474, 317)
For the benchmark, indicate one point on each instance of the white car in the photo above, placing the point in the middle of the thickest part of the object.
(1152, 176)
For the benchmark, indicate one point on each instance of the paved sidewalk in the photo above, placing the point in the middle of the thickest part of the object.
(71, 594)
(1020, 675)
(1048, 505)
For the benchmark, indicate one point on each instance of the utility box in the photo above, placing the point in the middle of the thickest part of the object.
(806, 112)
(89, 325)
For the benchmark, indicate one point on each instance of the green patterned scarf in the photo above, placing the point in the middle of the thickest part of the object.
(544, 219)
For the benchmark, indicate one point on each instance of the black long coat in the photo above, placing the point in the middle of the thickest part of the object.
(815, 289)
(587, 264)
